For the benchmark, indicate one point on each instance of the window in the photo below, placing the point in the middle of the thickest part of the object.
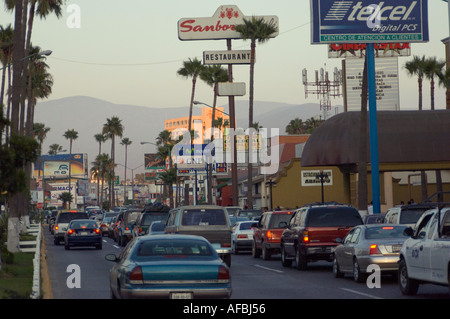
(174, 248)
(203, 217)
(355, 236)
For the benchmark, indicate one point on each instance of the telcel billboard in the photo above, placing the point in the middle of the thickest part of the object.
(368, 21)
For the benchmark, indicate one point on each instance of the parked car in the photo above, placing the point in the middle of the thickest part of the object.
(156, 228)
(125, 226)
(407, 214)
(267, 233)
(83, 232)
(365, 245)
(147, 217)
(209, 221)
(169, 266)
(425, 255)
(241, 236)
(314, 232)
(62, 221)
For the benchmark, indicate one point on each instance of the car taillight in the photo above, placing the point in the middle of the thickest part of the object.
(242, 236)
(97, 231)
(225, 245)
(56, 227)
(305, 237)
(224, 274)
(269, 234)
(136, 276)
(374, 250)
(140, 230)
(70, 231)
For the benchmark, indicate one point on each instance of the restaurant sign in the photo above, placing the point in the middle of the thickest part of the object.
(219, 26)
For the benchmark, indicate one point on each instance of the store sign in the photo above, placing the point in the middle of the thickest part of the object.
(387, 84)
(219, 26)
(368, 21)
(358, 50)
(226, 57)
(312, 177)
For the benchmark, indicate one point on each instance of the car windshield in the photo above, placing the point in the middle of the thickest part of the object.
(382, 232)
(174, 247)
(83, 224)
(334, 217)
(193, 217)
(278, 218)
(411, 216)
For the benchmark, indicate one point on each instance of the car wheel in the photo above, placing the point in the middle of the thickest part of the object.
(285, 262)
(336, 270)
(234, 249)
(56, 241)
(300, 259)
(407, 285)
(66, 247)
(99, 247)
(255, 251)
(266, 252)
(358, 276)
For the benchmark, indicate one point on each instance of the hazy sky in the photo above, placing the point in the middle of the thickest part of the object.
(128, 52)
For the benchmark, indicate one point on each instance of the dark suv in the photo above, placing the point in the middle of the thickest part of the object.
(314, 231)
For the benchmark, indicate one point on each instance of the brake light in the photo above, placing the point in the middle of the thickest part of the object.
(269, 234)
(136, 276)
(56, 227)
(224, 274)
(97, 231)
(140, 230)
(70, 231)
(374, 250)
(305, 237)
(242, 236)
(225, 245)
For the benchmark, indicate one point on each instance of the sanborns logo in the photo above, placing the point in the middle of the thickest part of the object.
(356, 11)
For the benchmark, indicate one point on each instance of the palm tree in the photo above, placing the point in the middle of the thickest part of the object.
(66, 197)
(255, 29)
(112, 128)
(191, 69)
(295, 126)
(100, 138)
(213, 75)
(125, 142)
(40, 132)
(55, 149)
(101, 169)
(71, 135)
(6, 50)
(417, 67)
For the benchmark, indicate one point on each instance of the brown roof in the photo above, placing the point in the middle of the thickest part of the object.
(403, 136)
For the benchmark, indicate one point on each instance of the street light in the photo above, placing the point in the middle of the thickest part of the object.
(197, 102)
(42, 53)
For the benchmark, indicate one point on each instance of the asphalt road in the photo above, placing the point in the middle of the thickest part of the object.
(255, 279)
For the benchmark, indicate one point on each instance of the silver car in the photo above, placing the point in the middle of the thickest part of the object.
(364, 245)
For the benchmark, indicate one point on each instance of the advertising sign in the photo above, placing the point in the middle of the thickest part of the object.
(58, 165)
(311, 178)
(219, 26)
(226, 57)
(368, 21)
(358, 50)
(387, 84)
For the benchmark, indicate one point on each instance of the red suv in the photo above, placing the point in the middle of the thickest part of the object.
(314, 232)
(267, 233)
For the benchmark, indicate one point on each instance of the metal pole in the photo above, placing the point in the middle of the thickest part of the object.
(374, 160)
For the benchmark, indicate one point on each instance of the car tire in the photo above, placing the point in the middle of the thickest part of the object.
(300, 259)
(234, 249)
(407, 285)
(66, 247)
(266, 254)
(358, 276)
(99, 247)
(56, 241)
(255, 251)
(284, 261)
(336, 269)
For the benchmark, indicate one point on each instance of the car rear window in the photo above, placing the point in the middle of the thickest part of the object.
(149, 218)
(203, 217)
(411, 216)
(174, 248)
(83, 224)
(383, 232)
(278, 218)
(333, 217)
(246, 226)
(67, 217)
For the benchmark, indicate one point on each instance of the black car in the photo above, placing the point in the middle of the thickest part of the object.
(83, 232)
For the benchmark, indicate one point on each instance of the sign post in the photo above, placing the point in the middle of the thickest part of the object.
(369, 21)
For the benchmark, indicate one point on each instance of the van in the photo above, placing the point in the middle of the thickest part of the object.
(407, 214)
(62, 221)
(209, 221)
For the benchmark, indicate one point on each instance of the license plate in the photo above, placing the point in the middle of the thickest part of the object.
(181, 295)
(83, 233)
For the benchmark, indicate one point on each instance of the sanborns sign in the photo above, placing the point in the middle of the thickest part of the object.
(369, 21)
(219, 26)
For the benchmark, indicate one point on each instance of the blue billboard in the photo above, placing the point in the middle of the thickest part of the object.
(368, 21)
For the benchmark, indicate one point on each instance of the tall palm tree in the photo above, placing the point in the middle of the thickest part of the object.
(165, 144)
(417, 67)
(101, 169)
(40, 132)
(71, 135)
(125, 142)
(213, 75)
(191, 69)
(112, 128)
(55, 149)
(6, 50)
(100, 138)
(256, 30)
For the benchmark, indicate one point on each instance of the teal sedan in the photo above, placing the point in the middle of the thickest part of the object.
(169, 266)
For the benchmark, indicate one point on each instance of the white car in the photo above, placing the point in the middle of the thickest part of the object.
(241, 236)
(425, 257)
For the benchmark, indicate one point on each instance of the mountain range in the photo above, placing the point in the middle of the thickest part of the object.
(87, 115)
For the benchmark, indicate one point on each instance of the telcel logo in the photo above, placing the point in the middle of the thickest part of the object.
(380, 12)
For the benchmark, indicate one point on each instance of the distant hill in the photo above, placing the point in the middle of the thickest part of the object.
(87, 116)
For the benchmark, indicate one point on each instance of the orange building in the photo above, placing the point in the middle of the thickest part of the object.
(200, 123)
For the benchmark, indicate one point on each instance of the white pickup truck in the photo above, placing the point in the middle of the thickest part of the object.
(425, 257)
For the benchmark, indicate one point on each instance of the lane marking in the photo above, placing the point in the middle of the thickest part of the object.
(270, 269)
(361, 293)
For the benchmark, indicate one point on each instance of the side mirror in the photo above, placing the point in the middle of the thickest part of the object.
(111, 257)
(408, 232)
